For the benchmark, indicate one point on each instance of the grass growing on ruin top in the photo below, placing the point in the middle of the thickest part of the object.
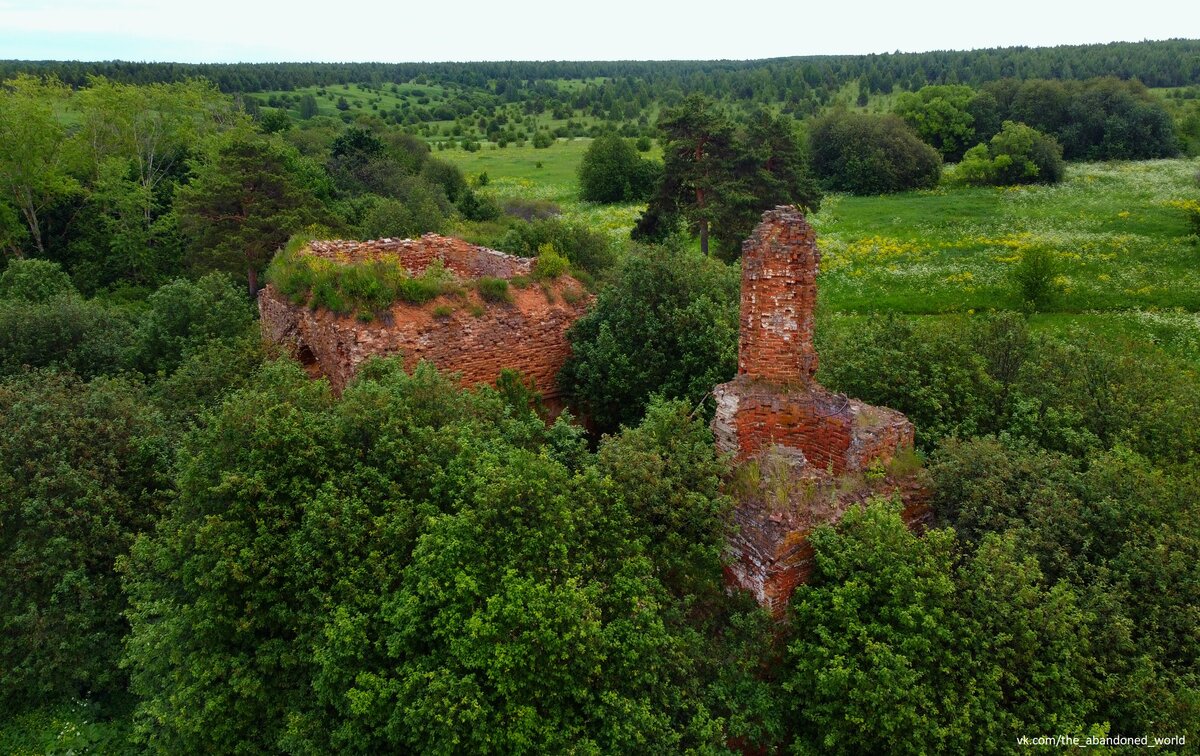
(365, 287)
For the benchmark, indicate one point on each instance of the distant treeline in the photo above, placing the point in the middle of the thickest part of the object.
(1166, 63)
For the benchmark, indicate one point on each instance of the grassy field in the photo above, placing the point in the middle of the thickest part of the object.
(546, 174)
(1116, 239)
(1128, 265)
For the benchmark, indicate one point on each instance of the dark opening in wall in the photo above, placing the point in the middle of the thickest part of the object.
(308, 360)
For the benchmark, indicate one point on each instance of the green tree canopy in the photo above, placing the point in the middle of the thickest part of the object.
(895, 647)
(85, 471)
(417, 567)
(1019, 154)
(719, 178)
(34, 154)
(612, 171)
(698, 154)
(941, 115)
(183, 316)
(666, 325)
(866, 154)
(34, 281)
(247, 196)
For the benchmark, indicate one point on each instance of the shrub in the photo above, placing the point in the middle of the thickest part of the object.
(34, 281)
(184, 315)
(542, 140)
(478, 207)
(207, 373)
(66, 331)
(1018, 154)
(418, 208)
(931, 372)
(1034, 278)
(493, 289)
(865, 154)
(549, 263)
(531, 209)
(446, 175)
(611, 171)
(583, 247)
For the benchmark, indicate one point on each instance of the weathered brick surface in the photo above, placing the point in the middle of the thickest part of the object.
(528, 335)
(779, 292)
(774, 409)
(833, 431)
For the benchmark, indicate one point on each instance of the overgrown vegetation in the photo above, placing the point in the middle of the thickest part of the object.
(665, 326)
(1018, 154)
(865, 154)
(202, 549)
(367, 286)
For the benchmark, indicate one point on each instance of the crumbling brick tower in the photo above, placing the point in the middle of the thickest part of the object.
(807, 453)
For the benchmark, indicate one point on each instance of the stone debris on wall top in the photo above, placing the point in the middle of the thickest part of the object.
(463, 258)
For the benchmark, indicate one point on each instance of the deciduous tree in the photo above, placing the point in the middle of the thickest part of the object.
(34, 156)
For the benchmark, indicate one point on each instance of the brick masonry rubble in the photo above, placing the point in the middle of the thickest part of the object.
(477, 339)
(804, 454)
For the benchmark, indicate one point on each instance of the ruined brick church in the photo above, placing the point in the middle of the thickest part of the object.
(803, 455)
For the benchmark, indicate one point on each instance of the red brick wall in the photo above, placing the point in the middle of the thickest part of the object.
(774, 409)
(529, 335)
(771, 551)
(779, 292)
(832, 430)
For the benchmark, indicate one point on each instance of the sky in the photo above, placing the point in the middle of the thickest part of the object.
(223, 31)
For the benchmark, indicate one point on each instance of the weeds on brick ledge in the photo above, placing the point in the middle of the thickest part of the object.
(493, 289)
(365, 287)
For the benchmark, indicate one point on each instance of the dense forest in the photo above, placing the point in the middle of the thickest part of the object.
(1171, 63)
(204, 549)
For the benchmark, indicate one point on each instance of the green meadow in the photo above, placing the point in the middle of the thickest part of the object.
(1116, 239)
(1126, 259)
(548, 174)
(1127, 263)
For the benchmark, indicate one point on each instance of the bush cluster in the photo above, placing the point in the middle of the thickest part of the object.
(585, 248)
(1018, 154)
(865, 154)
(612, 171)
(550, 264)
(666, 325)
